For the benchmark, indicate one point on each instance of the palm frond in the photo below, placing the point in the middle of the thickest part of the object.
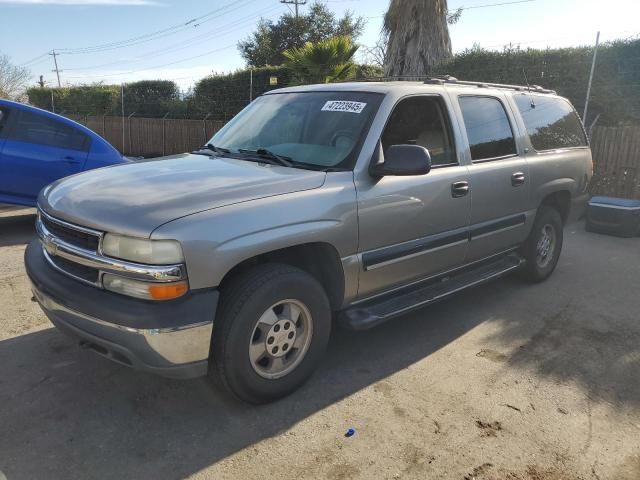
(322, 62)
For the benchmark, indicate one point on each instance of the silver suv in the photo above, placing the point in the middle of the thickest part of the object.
(354, 202)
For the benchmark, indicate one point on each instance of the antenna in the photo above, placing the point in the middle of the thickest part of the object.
(533, 104)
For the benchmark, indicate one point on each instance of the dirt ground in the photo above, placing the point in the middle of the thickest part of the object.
(507, 381)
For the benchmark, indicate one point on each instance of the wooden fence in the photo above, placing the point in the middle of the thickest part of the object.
(616, 150)
(616, 157)
(152, 137)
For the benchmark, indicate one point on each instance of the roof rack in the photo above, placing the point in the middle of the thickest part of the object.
(442, 79)
(448, 79)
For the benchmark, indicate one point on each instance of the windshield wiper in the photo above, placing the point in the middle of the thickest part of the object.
(213, 148)
(267, 154)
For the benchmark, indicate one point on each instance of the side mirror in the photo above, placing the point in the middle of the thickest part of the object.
(403, 160)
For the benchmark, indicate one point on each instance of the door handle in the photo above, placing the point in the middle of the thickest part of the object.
(517, 179)
(459, 189)
(70, 160)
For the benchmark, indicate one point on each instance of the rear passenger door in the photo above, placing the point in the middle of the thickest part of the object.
(498, 175)
(38, 150)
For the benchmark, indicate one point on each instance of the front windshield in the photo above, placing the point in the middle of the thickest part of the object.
(321, 129)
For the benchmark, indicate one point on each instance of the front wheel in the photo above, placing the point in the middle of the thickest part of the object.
(271, 332)
(542, 248)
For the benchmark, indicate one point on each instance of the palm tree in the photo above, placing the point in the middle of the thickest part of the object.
(322, 62)
(418, 37)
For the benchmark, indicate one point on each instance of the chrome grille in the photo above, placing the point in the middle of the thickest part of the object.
(75, 251)
(60, 233)
(76, 270)
(76, 236)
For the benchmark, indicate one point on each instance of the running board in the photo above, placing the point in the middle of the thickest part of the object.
(376, 311)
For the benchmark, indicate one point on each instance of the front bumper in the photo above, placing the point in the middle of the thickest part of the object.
(167, 338)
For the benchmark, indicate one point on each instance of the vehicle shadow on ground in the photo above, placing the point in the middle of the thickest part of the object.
(17, 228)
(587, 331)
(67, 413)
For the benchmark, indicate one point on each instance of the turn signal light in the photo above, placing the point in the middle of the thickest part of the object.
(167, 291)
(144, 290)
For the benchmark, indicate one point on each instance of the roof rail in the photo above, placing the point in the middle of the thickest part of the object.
(441, 79)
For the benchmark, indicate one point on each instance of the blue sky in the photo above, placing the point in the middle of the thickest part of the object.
(30, 28)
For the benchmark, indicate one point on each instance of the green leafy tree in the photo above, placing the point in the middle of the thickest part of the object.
(418, 36)
(322, 62)
(267, 44)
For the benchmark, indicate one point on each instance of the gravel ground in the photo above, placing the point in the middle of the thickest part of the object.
(506, 381)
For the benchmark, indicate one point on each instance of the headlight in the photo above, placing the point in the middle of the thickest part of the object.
(144, 290)
(142, 250)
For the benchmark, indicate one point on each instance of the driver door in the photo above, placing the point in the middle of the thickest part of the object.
(414, 227)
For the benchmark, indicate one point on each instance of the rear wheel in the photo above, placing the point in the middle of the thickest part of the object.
(270, 332)
(543, 246)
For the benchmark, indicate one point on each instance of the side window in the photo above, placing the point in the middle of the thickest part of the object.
(33, 128)
(488, 128)
(421, 121)
(551, 122)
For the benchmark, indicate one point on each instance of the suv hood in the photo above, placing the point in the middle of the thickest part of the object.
(136, 198)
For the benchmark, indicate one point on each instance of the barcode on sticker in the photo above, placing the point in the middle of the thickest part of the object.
(343, 106)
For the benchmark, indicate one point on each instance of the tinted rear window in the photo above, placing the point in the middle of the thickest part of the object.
(33, 128)
(488, 128)
(552, 123)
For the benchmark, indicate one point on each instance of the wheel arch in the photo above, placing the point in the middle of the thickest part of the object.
(319, 259)
(559, 200)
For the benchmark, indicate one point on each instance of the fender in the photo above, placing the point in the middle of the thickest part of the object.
(545, 189)
(217, 240)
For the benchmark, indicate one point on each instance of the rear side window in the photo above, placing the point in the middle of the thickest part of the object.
(32, 128)
(552, 123)
(488, 128)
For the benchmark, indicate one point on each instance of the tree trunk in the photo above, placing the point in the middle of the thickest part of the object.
(418, 37)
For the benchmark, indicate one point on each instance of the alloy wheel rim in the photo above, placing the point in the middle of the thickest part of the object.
(546, 246)
(280, 339)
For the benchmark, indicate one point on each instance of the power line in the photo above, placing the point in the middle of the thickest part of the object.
(478, 6)
(496, 4)
(172, 30)
(164, 64)
(294, 2)
(217, 32)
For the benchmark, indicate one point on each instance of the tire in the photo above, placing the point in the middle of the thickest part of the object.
(538, 266)
(296, 318)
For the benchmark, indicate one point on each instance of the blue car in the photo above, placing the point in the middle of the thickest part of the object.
(38, 147)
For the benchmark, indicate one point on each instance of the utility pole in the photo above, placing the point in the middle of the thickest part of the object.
(294, 2)
(55, 62)
(593, 67)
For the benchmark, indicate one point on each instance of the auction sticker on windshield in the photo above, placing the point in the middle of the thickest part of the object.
(343, 106)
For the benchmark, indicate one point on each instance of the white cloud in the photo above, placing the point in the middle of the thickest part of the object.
(84, 3)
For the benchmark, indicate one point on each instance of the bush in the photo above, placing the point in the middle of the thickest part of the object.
(223, 96)
(614, 95)
(150, 98)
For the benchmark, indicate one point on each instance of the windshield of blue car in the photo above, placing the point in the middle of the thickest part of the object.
(319, 129)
